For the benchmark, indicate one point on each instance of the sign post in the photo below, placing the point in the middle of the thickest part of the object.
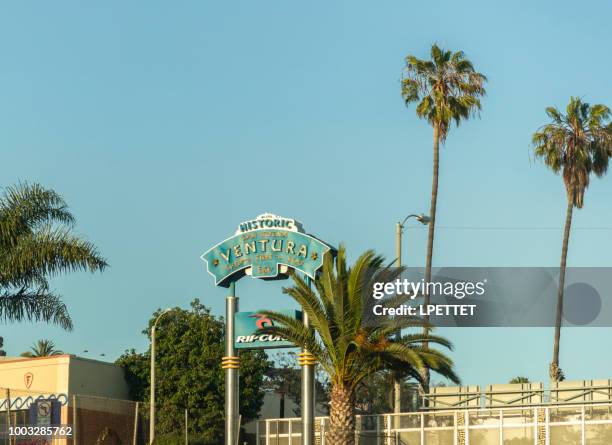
(308, 362)
(231, 364)
(266, 247)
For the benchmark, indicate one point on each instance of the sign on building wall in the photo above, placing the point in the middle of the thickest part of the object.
(248, 326)
(265, 247)
(45, 412)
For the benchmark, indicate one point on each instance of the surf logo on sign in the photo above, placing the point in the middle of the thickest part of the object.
(262, 321)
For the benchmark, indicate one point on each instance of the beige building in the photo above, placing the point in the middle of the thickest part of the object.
(92, 396)
(63, 374)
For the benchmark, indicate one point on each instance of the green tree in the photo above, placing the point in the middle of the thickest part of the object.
(519, 379)
(136, 368)
(42, 348)
(447, 88)
(189, 376)
(373, 395)
(285, 379)
(347, 343)
(36, 242)
(575, 144)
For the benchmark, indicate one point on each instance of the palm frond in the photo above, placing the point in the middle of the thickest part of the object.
(447, 88)
(38, 305)
(575, 144)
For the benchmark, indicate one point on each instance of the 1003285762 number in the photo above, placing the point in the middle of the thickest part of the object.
(40, 431)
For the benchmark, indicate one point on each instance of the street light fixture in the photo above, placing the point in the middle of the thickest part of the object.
(399, 229)
(152, 397)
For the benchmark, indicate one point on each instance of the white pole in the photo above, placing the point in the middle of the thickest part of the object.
(152, 396)
(74, 420)
(135, 436)
(397, 384)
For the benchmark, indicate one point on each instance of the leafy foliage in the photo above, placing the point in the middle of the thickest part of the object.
(519, 379)
(446, 87)
(374, 395)
(189, 348)
(36, 242)
(576, 144)
(136, 368)
(285, 379)
(42, 348)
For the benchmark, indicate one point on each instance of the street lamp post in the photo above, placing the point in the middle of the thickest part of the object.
(399, 229)
(152, 397)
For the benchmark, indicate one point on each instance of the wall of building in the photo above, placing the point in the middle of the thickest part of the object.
(63, 374)
(45, 375)
(95, 378)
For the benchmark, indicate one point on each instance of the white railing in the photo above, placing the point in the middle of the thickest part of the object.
(583, 424)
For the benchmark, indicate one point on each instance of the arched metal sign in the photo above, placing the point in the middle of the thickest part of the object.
(265, 247)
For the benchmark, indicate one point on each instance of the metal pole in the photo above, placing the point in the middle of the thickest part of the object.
(74, 420)
(231, 370)
(135, 435)
(152, 397)
(397, 385)
(307, 395)
(186, 423)
(8, 415)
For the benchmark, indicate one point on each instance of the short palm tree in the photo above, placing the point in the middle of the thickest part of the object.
(35, 243)
(576, 144)
(447, 88)
(348, 341)
(42, 348)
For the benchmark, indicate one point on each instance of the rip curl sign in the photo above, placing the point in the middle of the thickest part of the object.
(248, 326)
(265, 247)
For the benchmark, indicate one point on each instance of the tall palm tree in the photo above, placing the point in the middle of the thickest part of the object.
(42, 348)
(36, 242)
(348, 341)
(576, 144)
(447, 88)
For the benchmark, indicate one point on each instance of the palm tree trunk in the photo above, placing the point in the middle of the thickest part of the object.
(341, 416)
(555, 371)
(430, 234)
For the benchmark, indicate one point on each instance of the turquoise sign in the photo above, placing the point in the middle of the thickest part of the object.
(248, 326)
(266, 247)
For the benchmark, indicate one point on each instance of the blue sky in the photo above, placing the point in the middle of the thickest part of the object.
(165, 124)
